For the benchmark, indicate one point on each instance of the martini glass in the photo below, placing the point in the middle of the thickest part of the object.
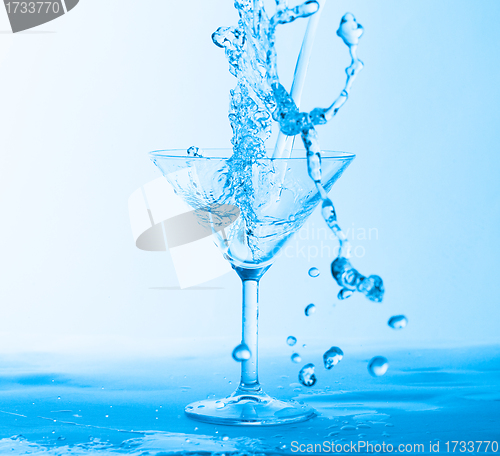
(251, 207)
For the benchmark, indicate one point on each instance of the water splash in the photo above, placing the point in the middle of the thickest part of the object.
(307, 376)
(259, 98)
(332, 357)
(398, 322)
(378, 366)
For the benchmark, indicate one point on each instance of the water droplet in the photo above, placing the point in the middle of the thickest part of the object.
(241, 353)
(348, 427)
(310, 309)
(219, 404)
(345, 293)
(332, 357)
(333, 434)
(291, 341)
(363, 426)
(398, 322)
(307, 376)
(314, 272)
(296, 358)
(378, 366)
(194, 151)
(225, 437)
(350, 31)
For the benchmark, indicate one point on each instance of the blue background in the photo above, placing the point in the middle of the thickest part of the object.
(87, 96)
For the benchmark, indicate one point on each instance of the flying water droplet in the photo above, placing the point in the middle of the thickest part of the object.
(194, 151)
(307, 376)
(345, 293)
(310, 309)
(291, 341)
(314, 272)
(378, 366)
(350, 31)
(398, 322)
(296, 358)
(241, 353)
(332, 357)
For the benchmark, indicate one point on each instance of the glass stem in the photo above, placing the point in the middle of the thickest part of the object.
(249, 374)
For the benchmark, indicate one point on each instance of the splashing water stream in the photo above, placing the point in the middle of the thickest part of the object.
(259, 98)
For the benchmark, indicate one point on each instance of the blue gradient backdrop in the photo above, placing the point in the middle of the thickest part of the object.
(86, 97)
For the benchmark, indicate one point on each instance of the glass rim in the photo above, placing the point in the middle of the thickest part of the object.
(182, 154)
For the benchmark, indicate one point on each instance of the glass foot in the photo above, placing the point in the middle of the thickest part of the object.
(244, 409)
